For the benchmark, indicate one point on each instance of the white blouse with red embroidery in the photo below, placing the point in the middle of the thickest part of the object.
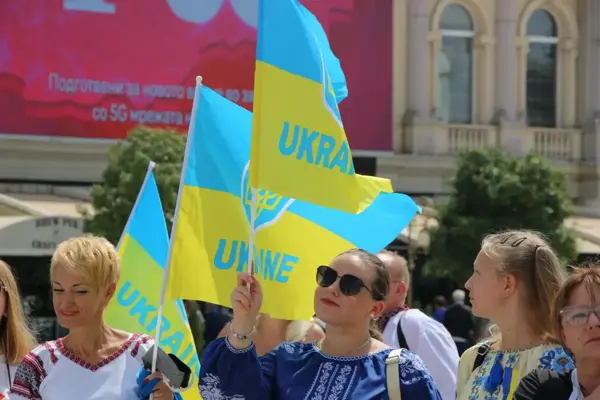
(52, 372)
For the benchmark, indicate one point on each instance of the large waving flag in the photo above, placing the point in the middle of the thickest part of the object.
(143, 249)
(299, 146)
(210, 242)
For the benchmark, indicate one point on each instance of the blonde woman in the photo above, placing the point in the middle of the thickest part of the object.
(516, 275)
(304, 331)
(16, 340)
(94, 361)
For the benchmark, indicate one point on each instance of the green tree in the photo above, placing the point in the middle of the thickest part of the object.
(493, 191)
(113, 198)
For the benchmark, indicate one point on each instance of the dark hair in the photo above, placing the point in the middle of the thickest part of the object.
(529, 257)
(587, 276)
(380, 286)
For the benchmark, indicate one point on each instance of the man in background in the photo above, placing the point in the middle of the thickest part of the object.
(439, 309)
(413, 330)
(459, 322)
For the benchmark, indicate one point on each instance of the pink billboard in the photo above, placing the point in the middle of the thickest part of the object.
(97, 68)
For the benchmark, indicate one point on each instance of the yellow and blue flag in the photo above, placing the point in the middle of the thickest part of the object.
(292, 238)
(143, 249)
(299, 146)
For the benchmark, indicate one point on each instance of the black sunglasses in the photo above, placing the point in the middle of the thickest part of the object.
(350, 285)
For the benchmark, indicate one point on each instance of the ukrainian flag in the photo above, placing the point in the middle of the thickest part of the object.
(299, 146)
(143, 249)
(210, 241)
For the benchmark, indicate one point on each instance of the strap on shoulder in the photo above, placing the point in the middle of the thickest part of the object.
(392, 372)
(402, 343)
(482, 351)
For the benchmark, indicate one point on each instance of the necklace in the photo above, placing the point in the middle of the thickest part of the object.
(320, 345)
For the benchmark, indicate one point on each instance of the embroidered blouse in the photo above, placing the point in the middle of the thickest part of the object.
(52, 372)
(296, 371)
(501, 371)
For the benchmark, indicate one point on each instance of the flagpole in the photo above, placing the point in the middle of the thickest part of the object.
(163, 290)
(252, 231)
(151, 166)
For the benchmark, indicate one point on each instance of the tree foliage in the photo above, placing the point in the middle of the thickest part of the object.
(492, 192)
(128, 160)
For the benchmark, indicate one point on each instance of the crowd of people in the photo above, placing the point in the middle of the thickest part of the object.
(363, 342)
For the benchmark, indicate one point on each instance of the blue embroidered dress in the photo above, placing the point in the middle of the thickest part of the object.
(501, 371)
(295, 371)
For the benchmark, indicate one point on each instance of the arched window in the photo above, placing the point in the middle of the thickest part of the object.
(542, 33)
(455, 66)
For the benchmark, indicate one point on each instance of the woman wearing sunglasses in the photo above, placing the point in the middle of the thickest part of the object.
(347, 364)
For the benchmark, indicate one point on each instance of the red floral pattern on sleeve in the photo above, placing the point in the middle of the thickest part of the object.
(29, 377)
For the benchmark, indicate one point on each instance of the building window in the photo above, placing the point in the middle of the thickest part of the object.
(455, 66)
(541, 86)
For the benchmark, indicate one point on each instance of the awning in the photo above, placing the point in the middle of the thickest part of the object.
(34, 224)
(36, 236)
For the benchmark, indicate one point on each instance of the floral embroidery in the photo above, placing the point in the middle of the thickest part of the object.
(60, 346)
(29, 377)
(479, 380)
(289, 347)
(340, 382)
(50, 347)
(412, 368)
(236, 351)
(323, 380)
(556, 359)
(210, 390)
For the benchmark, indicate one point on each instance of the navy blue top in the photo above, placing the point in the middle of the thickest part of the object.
(297, 371)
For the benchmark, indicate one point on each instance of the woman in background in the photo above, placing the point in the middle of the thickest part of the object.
(304, 331)
(16, 340)
(516, 275)
(576, 321)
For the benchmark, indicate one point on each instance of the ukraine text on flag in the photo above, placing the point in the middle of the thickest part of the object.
(210, 243)
(143, 250)
(299, 146)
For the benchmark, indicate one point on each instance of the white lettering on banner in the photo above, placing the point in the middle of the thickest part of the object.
(132, 89)
(164, 91)
(247, 96)
(190, 92)
(74, 85)
(156, 117)
(195, 11)
(121, 114)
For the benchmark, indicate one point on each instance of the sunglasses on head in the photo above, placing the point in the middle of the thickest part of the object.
(350, 285)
